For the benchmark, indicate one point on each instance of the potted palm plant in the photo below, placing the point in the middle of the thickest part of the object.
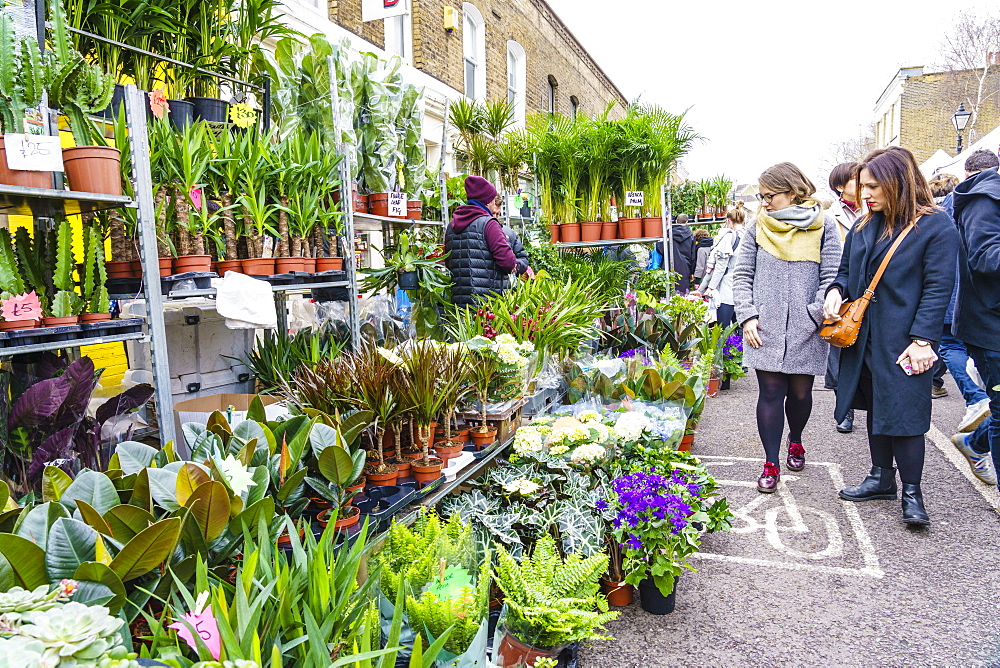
(454, 384)
(255, 199)
(186, 157)
(80, 88)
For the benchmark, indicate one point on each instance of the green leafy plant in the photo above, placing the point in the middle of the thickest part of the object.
(65, 301)
(95, 293)
(23, 76)
(552, 601)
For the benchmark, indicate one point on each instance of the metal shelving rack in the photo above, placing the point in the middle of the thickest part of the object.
(612, 242)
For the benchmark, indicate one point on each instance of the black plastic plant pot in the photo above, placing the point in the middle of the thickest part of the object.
(652, 601)
(111, 111)
(210, 109)
(181, 114)
(408, 280)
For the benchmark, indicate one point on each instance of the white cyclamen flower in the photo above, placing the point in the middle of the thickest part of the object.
(238, 477)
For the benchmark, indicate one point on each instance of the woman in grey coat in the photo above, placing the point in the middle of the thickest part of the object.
(786, 259)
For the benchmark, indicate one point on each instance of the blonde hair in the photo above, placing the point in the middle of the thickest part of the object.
(943, 184)
(787, 178)
(737, 215)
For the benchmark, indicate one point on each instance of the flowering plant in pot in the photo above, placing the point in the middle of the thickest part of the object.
(551, 602)
(494, 371)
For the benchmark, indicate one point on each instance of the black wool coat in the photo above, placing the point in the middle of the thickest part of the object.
(910, 302)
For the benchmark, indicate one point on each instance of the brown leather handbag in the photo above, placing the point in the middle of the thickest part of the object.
(844, 333)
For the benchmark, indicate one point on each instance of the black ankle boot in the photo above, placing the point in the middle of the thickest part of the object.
(880, 484)
(913, 505)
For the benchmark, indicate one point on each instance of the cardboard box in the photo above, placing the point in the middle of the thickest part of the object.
(199, 410)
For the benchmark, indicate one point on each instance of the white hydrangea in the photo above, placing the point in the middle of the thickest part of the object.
(522, 487)
(509, 354)
(543, 420)
(587, 453)
(560, 449)
(545, 430)
(528, 440)
(629, 426)
(574, 434)
(603, 431)
(588, 416)
(505, 339)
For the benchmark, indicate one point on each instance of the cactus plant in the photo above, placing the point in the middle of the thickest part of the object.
(77, 87)
(66, 302)
(11, 282)
(22, 76)
(95, 293)
(32, 258)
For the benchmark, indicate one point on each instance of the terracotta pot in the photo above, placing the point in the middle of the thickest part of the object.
(21, 177)
(8, 325)
(483, 438)
(569, 233)
(609, 231)
(402, 466)
(413, 455)
(310, 265)
(591, 231)
(630, 228)
(286, 539)
(554, 233)
(349, 517)
(95, 317)
(378, 204)
(258, 266)
(619, 594)
(414, 208)
(283, 265)
(228, 265)
(448, 450)
(58, 322)
(512, 653)
(320, 503)
(186, 263)
(362, 481)
(382, 478)
(93, 169)
(329, 264)
(652, 227)
(713, 386)
(119, 269)
(686, 443)
(461, 435)
(166, 266)
(427, 473)
(360, 203)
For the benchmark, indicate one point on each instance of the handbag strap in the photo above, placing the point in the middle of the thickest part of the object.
(885, 261)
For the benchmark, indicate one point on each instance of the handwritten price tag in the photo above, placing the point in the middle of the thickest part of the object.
(21, 307)
(635, 198)
(613, 213)
(35, 153)
(204, 624)
(397, 205)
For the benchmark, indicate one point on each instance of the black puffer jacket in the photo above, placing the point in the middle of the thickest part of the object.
(474, 272)
(977, 211)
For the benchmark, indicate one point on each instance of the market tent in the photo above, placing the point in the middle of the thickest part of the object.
(942, 162)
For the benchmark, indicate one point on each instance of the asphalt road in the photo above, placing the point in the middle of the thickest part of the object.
(808, 580)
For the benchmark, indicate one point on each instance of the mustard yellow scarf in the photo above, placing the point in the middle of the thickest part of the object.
(794, 234)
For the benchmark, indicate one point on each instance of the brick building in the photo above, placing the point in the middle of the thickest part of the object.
(915, 110)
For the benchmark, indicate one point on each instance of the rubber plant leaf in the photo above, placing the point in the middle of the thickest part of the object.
(94, 488)
(147, 550)
(210, 506)
(98, 573)
(55, 481)
(127, 521)
(131, 457)
(26, 561)
(93, 518)
(189, 478)
(70, 543)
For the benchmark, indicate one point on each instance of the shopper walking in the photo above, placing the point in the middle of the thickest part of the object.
(846, 210)
(718, 283)
(941, 187)
(480, 258)
(886, 371)
(977, 313)
(703, 244)
(786, 259)
(684, 255)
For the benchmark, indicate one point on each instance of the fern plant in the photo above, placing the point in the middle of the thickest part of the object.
(552, 602)
(413, 554)
(453, 601)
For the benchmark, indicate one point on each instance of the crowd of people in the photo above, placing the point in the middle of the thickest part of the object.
(925, 259)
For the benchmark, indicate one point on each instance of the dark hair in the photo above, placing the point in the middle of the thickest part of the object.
(907, 193)
(980, 160)
(842, 174)
(942, 184)
(787, 178)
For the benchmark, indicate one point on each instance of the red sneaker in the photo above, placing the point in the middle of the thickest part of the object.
(796, 457)
(768, 480)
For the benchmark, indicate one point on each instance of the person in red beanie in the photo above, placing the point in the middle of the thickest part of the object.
(480, 257)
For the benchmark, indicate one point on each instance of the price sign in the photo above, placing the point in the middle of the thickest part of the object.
(635, 198)
(21, 307)
(397, 205)
(205, 625)
(613, 213)
(35, 153)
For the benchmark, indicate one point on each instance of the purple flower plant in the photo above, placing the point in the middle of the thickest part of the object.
(733, 346)
(641, 353)
(646, 499)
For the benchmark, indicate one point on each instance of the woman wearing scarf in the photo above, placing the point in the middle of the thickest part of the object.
(786, 259)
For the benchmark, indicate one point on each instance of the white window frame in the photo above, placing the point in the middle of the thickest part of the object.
(474, 50)
(517, 76)
(401, 28)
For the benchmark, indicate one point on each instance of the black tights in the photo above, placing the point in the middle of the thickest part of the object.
(781, 396)
(907, 451)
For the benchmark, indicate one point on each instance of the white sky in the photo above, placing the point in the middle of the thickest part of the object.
(766, 81)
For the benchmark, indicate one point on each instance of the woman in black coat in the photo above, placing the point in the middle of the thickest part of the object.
(901, 326)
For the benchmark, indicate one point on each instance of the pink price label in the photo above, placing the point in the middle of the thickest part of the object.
(207, 628)
(21, 307)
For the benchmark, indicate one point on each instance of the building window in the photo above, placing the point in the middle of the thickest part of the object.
(516, 78)
(399, 36)
(474, 49)
(574, 105)
(553, 88)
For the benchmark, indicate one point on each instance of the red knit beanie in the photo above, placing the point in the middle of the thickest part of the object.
(479, 189)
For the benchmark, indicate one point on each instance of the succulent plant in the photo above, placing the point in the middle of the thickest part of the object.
(21, 652)
(16, 602)
(74, 632)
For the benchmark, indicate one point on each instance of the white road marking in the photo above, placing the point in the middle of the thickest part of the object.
(829, 525)
(951, 453)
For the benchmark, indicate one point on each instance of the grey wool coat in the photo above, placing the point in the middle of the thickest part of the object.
(787, 299)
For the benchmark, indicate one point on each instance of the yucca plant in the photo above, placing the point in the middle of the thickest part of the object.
(278, 355)
(497, 117)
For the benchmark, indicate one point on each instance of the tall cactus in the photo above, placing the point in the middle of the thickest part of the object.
(31, 257)
(77, 87)
(95, 293)
(10, 275)
(22, 76)
(66, 301)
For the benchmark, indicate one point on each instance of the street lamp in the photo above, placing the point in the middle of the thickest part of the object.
(960, 119)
